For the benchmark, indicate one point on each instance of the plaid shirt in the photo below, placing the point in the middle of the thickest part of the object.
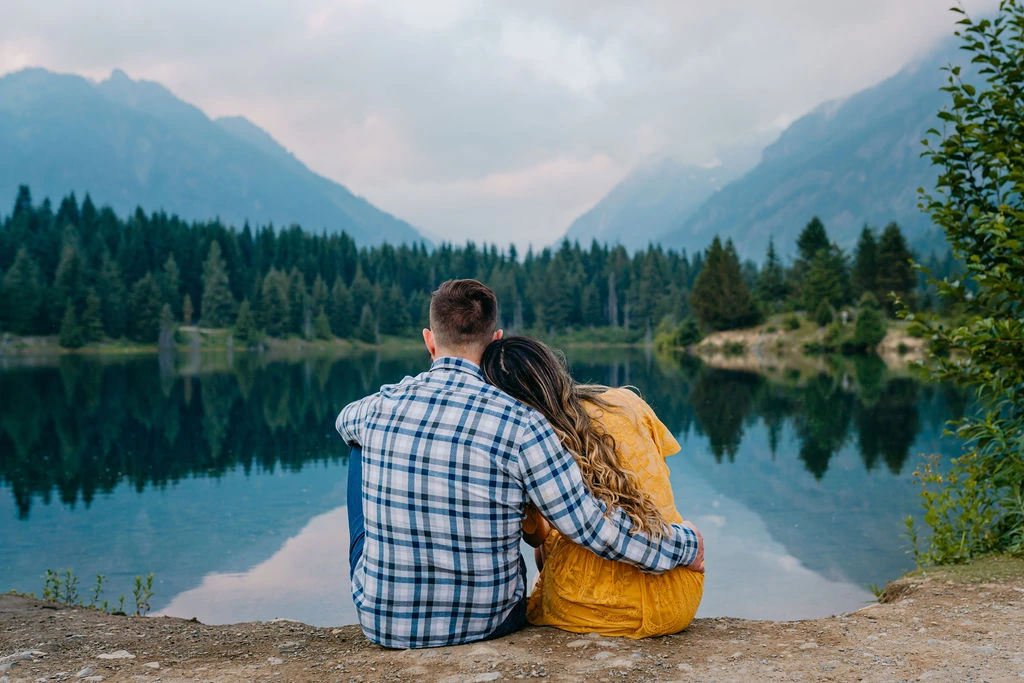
(449, 463)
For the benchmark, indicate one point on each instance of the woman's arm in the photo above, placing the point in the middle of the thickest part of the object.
(535, 527)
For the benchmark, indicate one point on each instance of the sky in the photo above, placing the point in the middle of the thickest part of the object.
(490, 120)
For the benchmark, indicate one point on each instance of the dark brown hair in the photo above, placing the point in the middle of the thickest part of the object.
(530, 372)
(463, 313)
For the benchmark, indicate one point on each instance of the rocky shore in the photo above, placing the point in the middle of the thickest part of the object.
(947, 625)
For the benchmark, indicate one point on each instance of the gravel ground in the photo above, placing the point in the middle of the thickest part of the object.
(947, 625)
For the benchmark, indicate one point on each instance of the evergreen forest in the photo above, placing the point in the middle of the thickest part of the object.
(85, 273)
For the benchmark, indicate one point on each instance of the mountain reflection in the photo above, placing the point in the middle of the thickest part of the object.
(82, 426)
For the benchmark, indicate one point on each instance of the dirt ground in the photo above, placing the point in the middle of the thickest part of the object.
(946, 625)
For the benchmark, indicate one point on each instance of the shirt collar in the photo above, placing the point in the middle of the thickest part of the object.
(455, 364)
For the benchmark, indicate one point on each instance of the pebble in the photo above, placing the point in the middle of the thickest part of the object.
(119, 654)
(87, 671)
(275, 660)
(93, 679)
(809, 646)
(152, 665)
(489, 676)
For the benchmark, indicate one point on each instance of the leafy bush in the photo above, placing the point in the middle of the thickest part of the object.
(791, 322)
(823, 314)
(978, 505)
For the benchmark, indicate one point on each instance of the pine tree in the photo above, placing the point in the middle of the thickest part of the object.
(71, 336)
(322, 326)
(246, 334)
(367, 330)
(217, 307)
(394, 317)
(824, 280)
(275, 304)
(144, 305)
(22, 292)
(319, 297)
(186, 310)
(113, 301)
(170, 283)
(92, 319)
(720, 299)
(895, 272)
(772, 288)
(341, 311)
(299, 321)
(812, 239)
(865, 262)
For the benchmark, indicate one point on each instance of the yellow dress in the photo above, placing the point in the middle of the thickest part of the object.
(581, 592)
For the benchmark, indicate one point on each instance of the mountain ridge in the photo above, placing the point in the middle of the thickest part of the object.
(134, 143)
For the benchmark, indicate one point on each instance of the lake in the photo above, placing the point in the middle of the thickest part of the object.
(224, 477)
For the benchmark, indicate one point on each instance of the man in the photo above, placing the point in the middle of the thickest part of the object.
(446, 468)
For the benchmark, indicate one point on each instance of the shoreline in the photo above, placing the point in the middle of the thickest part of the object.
(955, 623)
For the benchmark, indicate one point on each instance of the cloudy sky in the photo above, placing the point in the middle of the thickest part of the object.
(493, 120)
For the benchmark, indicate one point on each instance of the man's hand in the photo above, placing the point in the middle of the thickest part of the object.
(698, 562)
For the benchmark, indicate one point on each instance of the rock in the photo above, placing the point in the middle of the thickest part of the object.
(275, 660)
(93, 679)
(809, 646)
(87, 671)
(26, 655)
(575, 644)
(489, 676)
(683, 666)
(152, 665)
(119, 654)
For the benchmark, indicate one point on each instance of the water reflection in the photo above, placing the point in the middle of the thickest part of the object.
(84, 426)
(225, 476)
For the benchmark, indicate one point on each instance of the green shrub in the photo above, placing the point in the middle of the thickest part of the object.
(791, 322)
(823, 314)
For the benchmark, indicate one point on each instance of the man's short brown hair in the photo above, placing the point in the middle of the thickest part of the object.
(463, 313)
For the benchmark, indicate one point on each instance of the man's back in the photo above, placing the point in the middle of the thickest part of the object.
(443, 500)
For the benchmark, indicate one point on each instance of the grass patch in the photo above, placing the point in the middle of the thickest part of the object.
(979, 570)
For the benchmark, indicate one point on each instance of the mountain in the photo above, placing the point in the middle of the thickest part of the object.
(133, 143)
(647, 202)
(850, 162)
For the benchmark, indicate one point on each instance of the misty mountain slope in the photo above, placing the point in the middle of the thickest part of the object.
(133, 143)
(652, 199)
(850, 162)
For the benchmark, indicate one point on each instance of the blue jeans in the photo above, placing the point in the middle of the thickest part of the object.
(357, 536)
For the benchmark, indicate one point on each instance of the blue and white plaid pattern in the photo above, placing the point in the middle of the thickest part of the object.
(449, 462)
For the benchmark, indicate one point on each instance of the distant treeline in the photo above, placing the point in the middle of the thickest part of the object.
(89, 274)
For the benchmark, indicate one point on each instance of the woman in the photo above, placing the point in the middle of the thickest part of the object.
(620, 446)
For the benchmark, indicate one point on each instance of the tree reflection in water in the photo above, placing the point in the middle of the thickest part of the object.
(83, 426)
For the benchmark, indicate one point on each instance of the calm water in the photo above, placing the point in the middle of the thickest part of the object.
(225, 478)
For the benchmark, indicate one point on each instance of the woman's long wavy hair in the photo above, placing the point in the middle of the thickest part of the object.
(530, 372)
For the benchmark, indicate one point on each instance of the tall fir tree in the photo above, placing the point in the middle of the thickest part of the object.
(70, 336)
(92, 318)
(720, 299)
(145, 305)
(895, 270)
(772, 288)
(341, 312)
(217, 307)
(23, 294)
(865, 262)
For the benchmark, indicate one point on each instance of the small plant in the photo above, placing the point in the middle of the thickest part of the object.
(51, 586)
(791, 323)
(771, 329)
(142, 592)
(97, 591)
(70, 588)
(120, 605)
(876, 590)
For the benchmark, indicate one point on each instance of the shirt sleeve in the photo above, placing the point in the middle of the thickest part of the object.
(555, 485)
(352, 419)
(663, 438)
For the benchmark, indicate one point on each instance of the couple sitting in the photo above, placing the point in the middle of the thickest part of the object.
(493, 444)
